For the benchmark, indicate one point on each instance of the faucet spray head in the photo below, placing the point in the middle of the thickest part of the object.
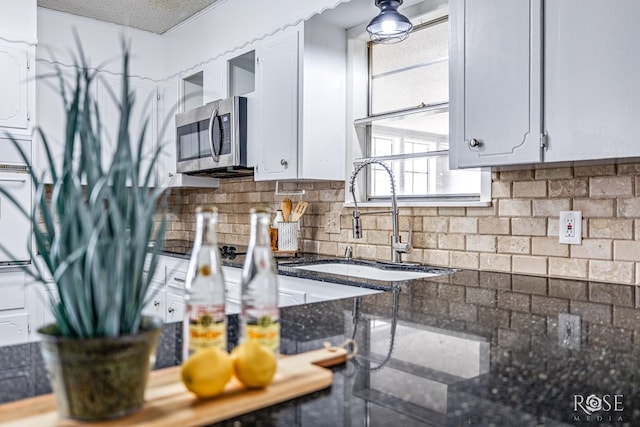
(356, 225)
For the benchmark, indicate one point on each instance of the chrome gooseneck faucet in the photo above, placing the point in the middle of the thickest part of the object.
(397, 247)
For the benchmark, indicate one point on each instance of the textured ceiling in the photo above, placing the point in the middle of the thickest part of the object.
(156, 16)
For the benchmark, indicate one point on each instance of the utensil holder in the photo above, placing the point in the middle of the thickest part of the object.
(288, 233)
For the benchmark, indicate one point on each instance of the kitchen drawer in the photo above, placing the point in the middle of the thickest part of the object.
(12, 289)
(176, 279)
(14, 328)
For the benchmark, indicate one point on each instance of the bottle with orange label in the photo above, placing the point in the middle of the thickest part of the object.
(205, 323)
(260, 316)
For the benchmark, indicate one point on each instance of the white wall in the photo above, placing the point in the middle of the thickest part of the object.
(231, 24)
(101, 41)
(221, 28)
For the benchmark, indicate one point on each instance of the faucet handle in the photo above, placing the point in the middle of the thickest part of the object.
(403, 248)
(409, 245)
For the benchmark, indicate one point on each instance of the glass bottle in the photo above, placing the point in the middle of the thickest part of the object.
(205, 323)
(259, 315)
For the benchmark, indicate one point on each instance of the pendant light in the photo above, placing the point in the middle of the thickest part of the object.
(389, 26)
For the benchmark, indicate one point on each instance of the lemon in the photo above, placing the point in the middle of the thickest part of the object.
(207, 371)
(253, 364)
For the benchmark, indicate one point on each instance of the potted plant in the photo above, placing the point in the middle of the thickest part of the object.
(92, 229)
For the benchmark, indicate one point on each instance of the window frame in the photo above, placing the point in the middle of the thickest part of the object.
(358, 136)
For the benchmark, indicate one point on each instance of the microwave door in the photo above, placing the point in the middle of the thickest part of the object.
(188, 146)
(204, 148)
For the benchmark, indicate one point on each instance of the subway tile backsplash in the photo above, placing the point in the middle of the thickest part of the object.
(516, 234)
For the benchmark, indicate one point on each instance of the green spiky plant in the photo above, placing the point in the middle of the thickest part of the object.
(93, 232)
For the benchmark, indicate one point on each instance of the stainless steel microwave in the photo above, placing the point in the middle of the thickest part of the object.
(212, 139)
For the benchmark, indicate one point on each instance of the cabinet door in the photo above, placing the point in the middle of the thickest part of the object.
(213, 81)
(14, 328)
(157, 306)
(51, 116)
(276, 139)
(592, 89)
(144, 110)
(13, 87)
(15, 228)
(167, 109)
(495, 82)
(175, 307)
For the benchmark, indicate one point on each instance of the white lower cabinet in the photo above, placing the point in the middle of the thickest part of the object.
(169, 280)
(12, 289)
(294, 290)
(175, 307)
(14, 328)
(157, 306)
(24, 309)
(14, 317)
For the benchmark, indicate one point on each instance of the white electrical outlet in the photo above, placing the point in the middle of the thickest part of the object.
(570, 227)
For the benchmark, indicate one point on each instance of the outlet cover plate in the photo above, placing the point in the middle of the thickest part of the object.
(570, 227)
(332, 222)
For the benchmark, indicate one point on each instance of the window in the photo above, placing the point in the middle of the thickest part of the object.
(407, 123)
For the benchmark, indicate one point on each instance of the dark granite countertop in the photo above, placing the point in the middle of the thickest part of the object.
(469, 348)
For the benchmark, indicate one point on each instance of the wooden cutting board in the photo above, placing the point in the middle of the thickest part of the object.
(168, 403)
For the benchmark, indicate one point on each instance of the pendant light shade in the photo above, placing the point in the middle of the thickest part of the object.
(389, 26)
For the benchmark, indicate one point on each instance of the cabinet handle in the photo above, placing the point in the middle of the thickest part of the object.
(179, 279)
(171, 310)
(156, 303)
(284, 163)
(474, 143)
(13, 179)
(170, 174)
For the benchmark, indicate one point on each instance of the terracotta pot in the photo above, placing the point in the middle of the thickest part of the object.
(100, 378)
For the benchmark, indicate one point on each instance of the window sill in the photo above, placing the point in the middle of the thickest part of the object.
(422, 204)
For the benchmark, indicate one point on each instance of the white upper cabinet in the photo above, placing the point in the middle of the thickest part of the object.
(14, 86)
(18, 21)
(592, 88)
(17, 53)
(144, 116)
(275, 139)
(299, 108)
(588, 84)
(495, 82)
(51, 115)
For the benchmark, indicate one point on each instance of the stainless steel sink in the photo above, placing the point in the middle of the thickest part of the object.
(384, 272)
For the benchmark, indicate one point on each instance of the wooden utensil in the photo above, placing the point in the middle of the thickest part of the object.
(299, 210)
(168, 403)
(286, 209)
